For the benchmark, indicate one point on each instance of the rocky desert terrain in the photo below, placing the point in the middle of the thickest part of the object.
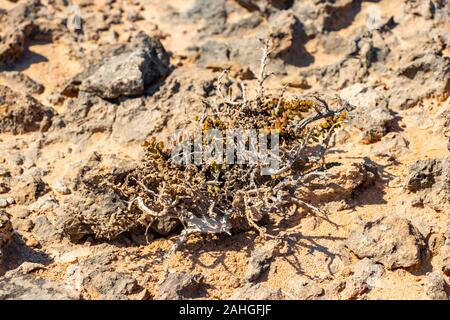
(83, 84)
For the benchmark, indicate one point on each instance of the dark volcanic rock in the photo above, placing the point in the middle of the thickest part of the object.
(129, 70)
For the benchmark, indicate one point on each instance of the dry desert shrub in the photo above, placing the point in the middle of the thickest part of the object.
(219, 197)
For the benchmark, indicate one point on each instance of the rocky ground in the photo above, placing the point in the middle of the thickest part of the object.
(77, 104)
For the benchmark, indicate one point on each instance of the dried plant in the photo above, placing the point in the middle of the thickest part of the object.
(214, 198)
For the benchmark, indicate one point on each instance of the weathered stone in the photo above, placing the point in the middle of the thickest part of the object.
(61, 187)
(3, 203)
(20, 24)
(21, 113)
(354, 288)
(4, 188)
(342, 182)
(260, 261)
(423, 174)
(368, 272)
(305, 289)
(29, 189)
(364, 276)
(44, 203)
(430, 180)
(180, 285)
(20, 82)
(92, 209)
(445, 257)
(288, 39)
(334, 289)
(420, 74)
(392, 146)
(214, 14)
(266, 6)
(436, 287)
(372, 115)
(109, 285)
(256, 292)
(29, 287)
(6, 232)
(436, 242)
(45, 231)
(391, 241)
(133, 122)
(128, 72)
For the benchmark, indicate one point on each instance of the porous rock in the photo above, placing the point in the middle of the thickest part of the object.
(391, 241)
(372, 115)
(256, 292)
(128, 71)
(260, 261)
(180, 285)
(21, 113)
(436, 287)
(109, 285)
(30, 287)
